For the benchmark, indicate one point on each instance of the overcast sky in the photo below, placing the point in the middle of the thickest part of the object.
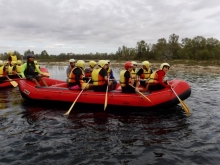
(84, 26)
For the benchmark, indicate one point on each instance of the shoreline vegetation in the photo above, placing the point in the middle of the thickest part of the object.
(212, 67)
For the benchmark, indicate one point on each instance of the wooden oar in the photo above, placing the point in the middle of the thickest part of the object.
(67, 113)
(106, 96)
(142, 94)
(184, 106)
(13, 83)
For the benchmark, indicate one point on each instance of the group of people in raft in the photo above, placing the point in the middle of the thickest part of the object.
(98, 76)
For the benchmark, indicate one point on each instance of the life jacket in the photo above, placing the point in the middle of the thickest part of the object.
(10, 70)
(122, 78)
(146, 74)
(37, 66)
(134, 72)
(72, 76)
(14, 58)
(18, 68)
(97, 78)
(153, 78)
(109, 71)
(2, 73)
(30, 68)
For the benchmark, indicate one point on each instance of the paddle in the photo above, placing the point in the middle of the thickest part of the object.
(184, 106)
(106, 96)
(13, 83)
(142, 94)
(67, 113)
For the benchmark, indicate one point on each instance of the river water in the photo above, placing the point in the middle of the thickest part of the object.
(38, 133)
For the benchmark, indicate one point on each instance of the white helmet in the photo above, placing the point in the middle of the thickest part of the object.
(72, 60)
(164, 64)
(1, 63)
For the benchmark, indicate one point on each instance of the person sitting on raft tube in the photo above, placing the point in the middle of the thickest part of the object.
(128, 84)
(3, 71)
(88, 71)
(28, 71)
(75, 80)
(144, 73)
(111, 76)
(100, 77)
(156, 81)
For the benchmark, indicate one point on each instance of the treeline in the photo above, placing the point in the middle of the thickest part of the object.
(198, 48)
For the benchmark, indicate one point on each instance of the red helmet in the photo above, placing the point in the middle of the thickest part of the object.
(128, 65)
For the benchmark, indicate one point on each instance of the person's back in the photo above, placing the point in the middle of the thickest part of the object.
(99, 77)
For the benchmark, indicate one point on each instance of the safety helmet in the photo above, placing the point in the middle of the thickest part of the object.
(102, 63)
(134, 63)
(72, 60)
(35, 62)
(108, 61)
(80, 64)
(13, 63)
(19, 62)
(164, 64)
(128, 65)
(146, 63)
(11, 53)
(92, 63)
(1, 63)
(30, 56)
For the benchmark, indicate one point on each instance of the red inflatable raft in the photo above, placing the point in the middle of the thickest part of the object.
(5, 82)
(58, 91)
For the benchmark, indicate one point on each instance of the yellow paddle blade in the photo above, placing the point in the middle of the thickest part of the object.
(106, 98)
(14, 83)
(46, 74)
(185, 108)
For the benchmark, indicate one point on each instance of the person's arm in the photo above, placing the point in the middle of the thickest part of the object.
(38, 70)
(24, 66)
(104, 74)
(111, 75)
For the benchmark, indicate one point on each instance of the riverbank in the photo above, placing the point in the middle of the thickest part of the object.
(187, 66)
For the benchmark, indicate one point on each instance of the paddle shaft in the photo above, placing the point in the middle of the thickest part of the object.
(141, 94)
(13, 83)
(106, 96)
(67, 113)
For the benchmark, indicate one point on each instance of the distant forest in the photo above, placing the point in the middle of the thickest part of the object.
(198, 48)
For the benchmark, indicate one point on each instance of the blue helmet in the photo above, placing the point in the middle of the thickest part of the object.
(30, 56)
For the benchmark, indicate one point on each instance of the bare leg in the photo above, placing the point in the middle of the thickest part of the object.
(35, 81)
(44, 82)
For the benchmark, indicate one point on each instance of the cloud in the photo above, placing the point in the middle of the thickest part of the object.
(102, 26)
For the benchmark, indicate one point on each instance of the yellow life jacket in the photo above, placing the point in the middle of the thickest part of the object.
(1, 71)
(146, 74)
(153, 78)
(10, 70)
(14, 58)
(134, 73)
(18, 68)
(122, 78)
(109, 71)
(97, 78)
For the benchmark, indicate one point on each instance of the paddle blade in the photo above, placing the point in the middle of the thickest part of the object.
(68, 112)
(14, 83)
(46, 74)
(185, 108)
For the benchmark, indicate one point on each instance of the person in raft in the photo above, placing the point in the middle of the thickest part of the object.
(100, 77)
(156, 81)
(28, 71)
(134, 70)
(11, 57)
(111, 76)
(3, 71)
(128, 84)
(70, 67)
(75, 78)
(88, 71)
(144, 73)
